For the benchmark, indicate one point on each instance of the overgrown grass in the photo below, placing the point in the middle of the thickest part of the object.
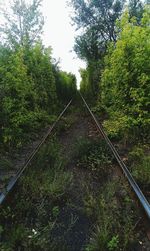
(108, 206)
(5, 163)
(114, 224)
(35, 221)
(65, 123)
(32, 221)
(140, 164)
(94, 155)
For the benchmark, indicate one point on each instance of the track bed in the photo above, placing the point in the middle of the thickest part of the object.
(73, 196)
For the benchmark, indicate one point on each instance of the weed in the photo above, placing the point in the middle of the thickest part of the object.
(113, 228)
(56, 186)
(140, 164)
(55, 211)
(141, 171)
(41, 193)
(5, 164)
(94, 155)
(136, 155)
(113, 243)
(65, 123)
(89, 204)
(49, 153)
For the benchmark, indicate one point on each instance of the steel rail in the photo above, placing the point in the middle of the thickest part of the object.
(143, 201)
(13, 181)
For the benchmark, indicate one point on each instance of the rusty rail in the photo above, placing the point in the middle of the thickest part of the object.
(143, 201)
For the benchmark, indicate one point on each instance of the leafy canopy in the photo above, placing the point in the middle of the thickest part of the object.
(126, 78)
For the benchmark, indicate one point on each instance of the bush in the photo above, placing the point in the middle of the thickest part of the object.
(141, 171)
(116, 126)
(125, 83)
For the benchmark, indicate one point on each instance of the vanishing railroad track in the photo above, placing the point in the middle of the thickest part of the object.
(134, 186)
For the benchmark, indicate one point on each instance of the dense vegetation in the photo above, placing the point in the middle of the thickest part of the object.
(125, 84)
(115, 44)
(31, 84)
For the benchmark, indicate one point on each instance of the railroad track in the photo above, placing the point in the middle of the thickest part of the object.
(140, 196)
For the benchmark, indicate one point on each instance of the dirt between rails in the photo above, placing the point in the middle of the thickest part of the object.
(79, 235)
(83, 225)
(82, 229)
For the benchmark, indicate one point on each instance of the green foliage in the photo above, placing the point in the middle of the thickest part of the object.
(140, 165)
(39, 65)
(113, 243)
(90, 78)
(17, 88)
(116, 126)
(85, 88)
(21, 110)
(55, 211)
(96, 21)
(141, 171)
(126, 81)
(65, 85)
(28, 96)
(92, 17)
(136, 154)
(136, 10)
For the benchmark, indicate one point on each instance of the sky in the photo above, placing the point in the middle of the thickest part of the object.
(59, 33)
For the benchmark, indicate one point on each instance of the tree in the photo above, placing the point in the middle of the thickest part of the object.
(136, 9)
(23, 23)
(65, 85)
(39, 64)
(17, 98)
(96, 19)
(126, 78)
